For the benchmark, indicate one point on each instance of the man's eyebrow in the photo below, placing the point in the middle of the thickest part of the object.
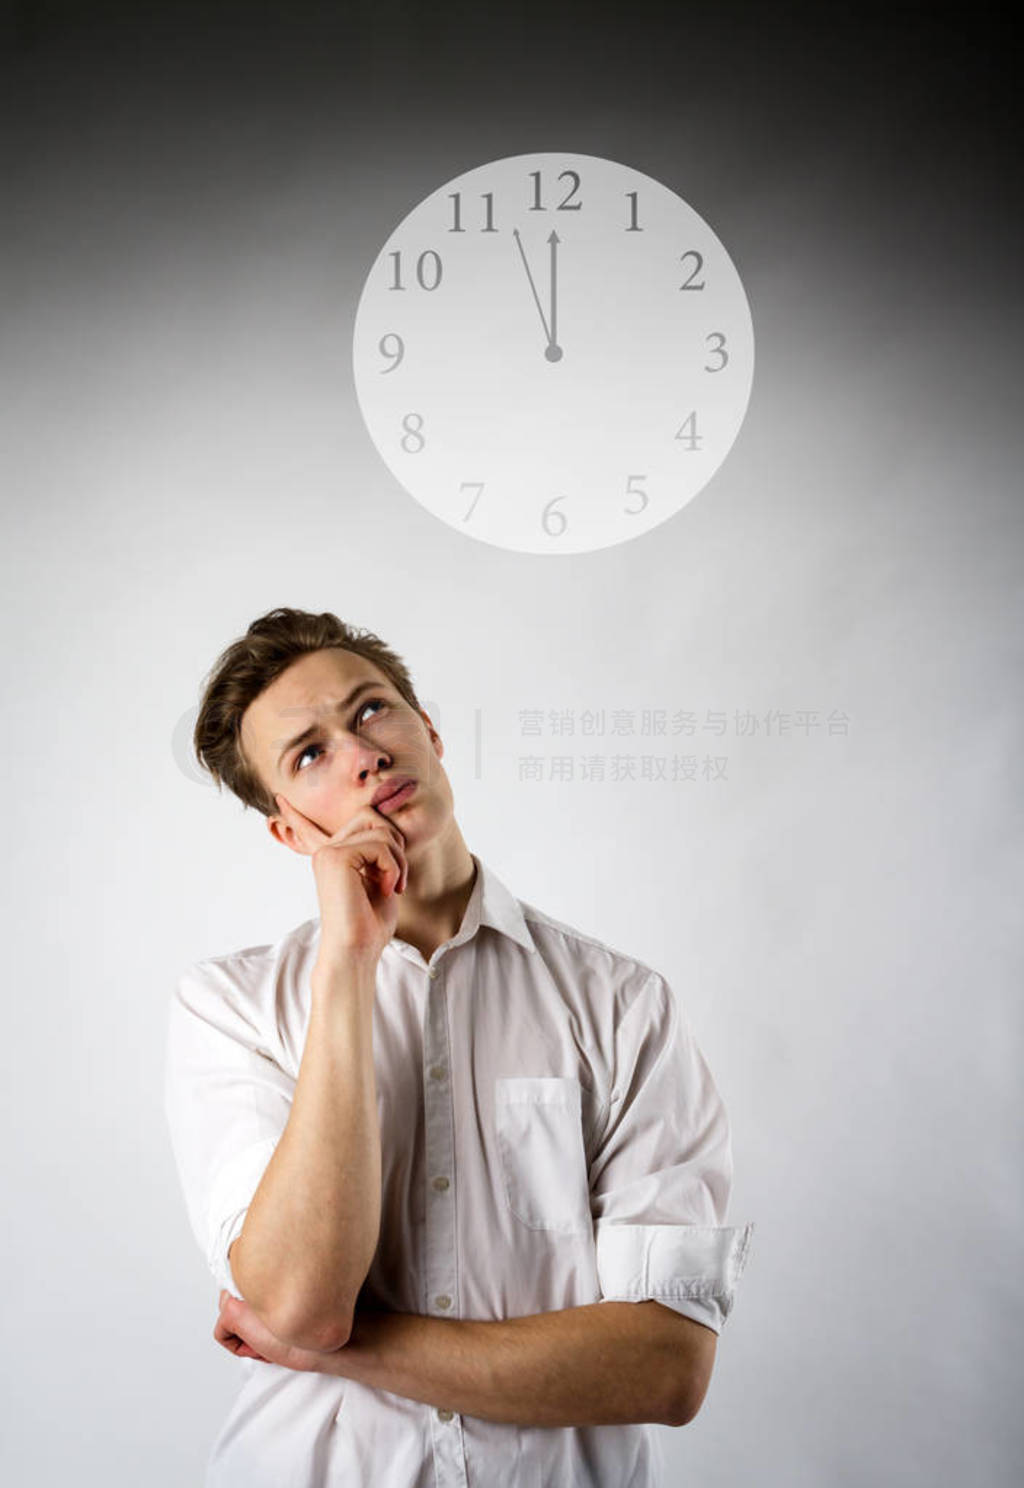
(342, 707)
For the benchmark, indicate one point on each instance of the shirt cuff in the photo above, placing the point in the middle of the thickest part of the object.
(230, 1197)
(694, 1269)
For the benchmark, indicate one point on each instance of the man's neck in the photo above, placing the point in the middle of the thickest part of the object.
(432, 909)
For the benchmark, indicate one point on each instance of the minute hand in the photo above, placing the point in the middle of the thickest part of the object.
(553, 345)
(552, 351)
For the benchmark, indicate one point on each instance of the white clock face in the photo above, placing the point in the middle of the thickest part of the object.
(553, 353)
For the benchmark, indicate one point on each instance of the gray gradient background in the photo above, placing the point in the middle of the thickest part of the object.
(189, 208)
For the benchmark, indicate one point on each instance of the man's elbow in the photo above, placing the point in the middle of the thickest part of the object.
(290, 1322)
(684, 1408)
(322, 1335)
(686, 1403)
(688, 1396)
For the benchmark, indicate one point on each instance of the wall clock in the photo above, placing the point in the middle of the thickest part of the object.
(553, 353)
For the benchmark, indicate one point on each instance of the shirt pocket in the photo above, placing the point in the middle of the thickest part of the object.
(538, 1121)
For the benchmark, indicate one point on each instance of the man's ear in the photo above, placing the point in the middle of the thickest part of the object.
(435, 737)
(282, 833)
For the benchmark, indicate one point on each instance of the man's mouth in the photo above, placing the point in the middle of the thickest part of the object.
(396, 798)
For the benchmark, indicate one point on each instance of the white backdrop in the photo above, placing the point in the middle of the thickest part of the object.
(835, 899)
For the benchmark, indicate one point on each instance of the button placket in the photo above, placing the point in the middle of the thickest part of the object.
(441, 1281)
(449, 1449)
(439, 1126)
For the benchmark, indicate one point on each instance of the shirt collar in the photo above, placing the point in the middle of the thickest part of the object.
(490, 903)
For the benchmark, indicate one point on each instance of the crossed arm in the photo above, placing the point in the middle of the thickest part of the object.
(603, 1363)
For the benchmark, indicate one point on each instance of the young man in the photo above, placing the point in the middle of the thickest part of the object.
(460, 1170)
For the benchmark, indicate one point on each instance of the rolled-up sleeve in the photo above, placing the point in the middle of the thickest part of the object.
(227, 1102)
(661, 1170)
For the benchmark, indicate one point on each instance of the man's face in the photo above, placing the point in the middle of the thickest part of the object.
(345, 753)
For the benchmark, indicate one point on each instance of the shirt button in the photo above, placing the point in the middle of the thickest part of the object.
(437, 1071)
(440, 1183)
(431, 971)
(445, 1415)
(443, 1301)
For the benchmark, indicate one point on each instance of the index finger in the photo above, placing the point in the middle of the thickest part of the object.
(300, 823)
(383, 816)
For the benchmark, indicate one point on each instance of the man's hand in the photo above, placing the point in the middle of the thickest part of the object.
(358, 872)
(243, 1333)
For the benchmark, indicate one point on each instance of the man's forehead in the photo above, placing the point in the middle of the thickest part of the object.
(305, 692)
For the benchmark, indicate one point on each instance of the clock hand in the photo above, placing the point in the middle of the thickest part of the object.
(536, 299)
(554, 351)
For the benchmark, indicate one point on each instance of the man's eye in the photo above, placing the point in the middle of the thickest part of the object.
(300, 757)
(370, 703)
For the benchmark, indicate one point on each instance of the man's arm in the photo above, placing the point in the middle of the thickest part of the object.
(312, 1226)
(605, 1363)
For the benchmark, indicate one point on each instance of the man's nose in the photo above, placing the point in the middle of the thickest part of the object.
(369, 757)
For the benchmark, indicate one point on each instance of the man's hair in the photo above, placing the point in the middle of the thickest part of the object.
(248, 665)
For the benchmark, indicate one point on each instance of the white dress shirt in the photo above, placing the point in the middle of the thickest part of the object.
(551, 1136)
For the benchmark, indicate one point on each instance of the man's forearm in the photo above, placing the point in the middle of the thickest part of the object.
(312, 1226)
(600, 1364)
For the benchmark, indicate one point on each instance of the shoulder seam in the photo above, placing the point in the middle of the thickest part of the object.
(535, 916)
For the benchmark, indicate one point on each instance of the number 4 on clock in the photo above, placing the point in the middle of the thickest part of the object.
(687, 432)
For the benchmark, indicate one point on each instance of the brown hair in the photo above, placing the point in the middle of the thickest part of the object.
(250, 664)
